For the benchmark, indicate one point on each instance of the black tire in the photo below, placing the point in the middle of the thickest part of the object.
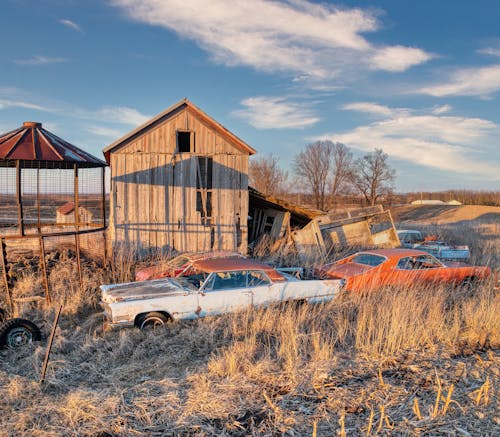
(153, 320)
(16, 333)
(469, 284)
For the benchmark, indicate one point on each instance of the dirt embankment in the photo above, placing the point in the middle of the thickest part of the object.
(446, 214)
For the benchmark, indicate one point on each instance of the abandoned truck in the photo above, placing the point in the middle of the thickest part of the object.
(216, 286)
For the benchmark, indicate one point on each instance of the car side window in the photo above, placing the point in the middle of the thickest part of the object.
(407, 263)
(256, 279)
(228, 280)
(418, 263)
(427, 262)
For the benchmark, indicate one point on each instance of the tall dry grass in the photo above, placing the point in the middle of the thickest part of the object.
(416, 361)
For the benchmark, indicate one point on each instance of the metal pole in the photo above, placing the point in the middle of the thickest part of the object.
(104, 222)
(38, 199)
(49, 345)
(3, 257)
(77, 226)
(44, 270)
(19, 197)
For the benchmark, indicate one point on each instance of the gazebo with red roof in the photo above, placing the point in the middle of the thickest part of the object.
(39, 173)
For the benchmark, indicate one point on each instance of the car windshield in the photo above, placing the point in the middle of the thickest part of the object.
(192, 282)
(368, 259)
(178, 261)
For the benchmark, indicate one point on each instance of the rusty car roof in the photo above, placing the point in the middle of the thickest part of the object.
(234, 264)
(394, 252)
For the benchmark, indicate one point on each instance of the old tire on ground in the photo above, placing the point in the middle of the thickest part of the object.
(153, 320)
(17, 332)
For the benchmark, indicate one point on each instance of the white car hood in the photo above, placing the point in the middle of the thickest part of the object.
(113, 293)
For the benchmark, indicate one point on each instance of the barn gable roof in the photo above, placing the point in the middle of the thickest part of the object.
(184, 103)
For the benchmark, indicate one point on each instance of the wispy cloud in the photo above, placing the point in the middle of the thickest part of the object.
(398, 58)
(275, 113)
(443, 109)
(6, 103)
(441, 142)
(104, 131)
(297, 36)
(369, 108)
(121, 115)
(70, 24)
(39, 60)
(481, 82)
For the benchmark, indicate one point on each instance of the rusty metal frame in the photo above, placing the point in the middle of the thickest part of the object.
(41, 236)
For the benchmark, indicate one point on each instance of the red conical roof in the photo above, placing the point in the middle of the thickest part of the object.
(32, 142)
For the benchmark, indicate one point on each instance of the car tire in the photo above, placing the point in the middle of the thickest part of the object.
(17, 332)
(468, 285)
(153, 320)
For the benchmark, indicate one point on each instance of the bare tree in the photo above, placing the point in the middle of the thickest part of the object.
(372, 176)
(341, 170)
(312, 166)
(266, 175)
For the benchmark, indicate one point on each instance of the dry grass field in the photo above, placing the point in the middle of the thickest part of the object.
(420, 361)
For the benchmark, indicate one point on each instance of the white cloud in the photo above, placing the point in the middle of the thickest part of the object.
(103, 131)
(443, 109)
(440, 142)
(39, 60)
(368, 107)
(398, 58)
(120, 114)
(490, 51)
(275, 113)
(6, 103)
(70, 24)
(296, 35)
(481, 82)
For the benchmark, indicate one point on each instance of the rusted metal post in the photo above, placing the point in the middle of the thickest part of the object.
(103, 206)
(104, 218)
(49, 345)
(77, 225)
(38, 200)
(3, 258)
(19, 197)
(48, 299)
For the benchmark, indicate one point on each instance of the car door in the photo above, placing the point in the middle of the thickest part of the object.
(262, 290)
(417, 269)
(224, 292)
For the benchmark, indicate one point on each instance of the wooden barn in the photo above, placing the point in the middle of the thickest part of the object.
(179, 182)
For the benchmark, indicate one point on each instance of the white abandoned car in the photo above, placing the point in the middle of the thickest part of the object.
(216, 286)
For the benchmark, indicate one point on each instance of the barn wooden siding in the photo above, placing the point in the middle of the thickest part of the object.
(154, 189)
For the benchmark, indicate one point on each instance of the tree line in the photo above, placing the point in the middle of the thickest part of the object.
(328, 172)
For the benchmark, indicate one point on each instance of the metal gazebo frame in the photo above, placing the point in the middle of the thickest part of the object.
(33, 147)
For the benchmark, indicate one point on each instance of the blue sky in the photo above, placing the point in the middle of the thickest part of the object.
(421, 80)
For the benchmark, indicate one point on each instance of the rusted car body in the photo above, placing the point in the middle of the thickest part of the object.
(180, 265)
(399, 267)
(215, 286)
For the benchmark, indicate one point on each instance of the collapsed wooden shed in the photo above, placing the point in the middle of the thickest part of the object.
(179, 182)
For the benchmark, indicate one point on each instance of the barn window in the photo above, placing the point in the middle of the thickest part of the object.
(185, 141)
(204, 173)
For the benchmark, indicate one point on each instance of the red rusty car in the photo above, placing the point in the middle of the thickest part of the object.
(181, 265)
(400, 267)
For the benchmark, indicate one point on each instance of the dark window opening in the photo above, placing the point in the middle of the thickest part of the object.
(204, 175)
(204, 172)
(184, 141)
